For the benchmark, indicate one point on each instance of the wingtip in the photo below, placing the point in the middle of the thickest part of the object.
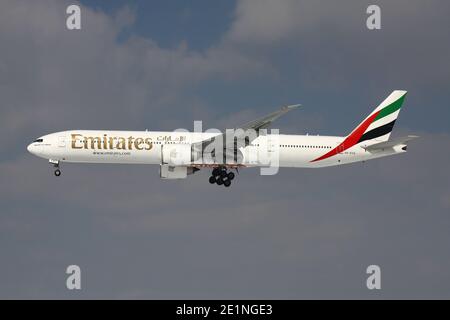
(293, 106)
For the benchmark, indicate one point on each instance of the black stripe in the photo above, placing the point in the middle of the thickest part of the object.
(377, 132)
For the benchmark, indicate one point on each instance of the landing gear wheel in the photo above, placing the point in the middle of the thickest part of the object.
(219, 181)
(216, 172)
(227, 183)
(230, 175)
(57, 172)
(212, 179)
(223, 174)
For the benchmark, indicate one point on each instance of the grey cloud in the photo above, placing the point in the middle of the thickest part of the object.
(51, 73)
(328, 42)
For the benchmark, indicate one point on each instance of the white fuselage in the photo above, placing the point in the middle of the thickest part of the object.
(145, 147)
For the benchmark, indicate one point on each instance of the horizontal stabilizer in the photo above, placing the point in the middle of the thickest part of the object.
(391, 143)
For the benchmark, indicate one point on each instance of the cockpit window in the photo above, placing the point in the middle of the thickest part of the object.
(39, 140)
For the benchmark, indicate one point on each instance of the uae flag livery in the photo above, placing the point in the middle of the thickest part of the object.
(378, 125)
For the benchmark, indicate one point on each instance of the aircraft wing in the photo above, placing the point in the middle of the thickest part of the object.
(229, 147)
(261, 123)
(391, 143)
(267, 120)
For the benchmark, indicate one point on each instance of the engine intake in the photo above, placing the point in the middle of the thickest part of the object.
(179, 154)
(172, 172)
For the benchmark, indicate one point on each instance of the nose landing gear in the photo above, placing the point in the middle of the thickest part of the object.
(55, 164)
(220, 176)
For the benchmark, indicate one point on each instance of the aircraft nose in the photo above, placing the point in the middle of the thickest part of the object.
(36, 149)
(32, 148)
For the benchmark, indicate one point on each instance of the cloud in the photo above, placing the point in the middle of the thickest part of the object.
(264, 21)
(326, 41)
(89, 78)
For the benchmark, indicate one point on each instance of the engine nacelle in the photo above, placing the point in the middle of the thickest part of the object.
(179, 154)
(171, 172)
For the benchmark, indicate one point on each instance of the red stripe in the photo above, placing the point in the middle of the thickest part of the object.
(351, 140)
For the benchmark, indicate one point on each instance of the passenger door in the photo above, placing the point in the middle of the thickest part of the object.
(62, 141)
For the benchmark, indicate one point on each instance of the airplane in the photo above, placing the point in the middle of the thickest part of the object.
(180, 154)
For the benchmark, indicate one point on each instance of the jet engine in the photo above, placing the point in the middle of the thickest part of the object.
(172, 172)
(179, 154)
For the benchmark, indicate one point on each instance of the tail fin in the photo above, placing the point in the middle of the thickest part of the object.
(378, 125)
(376, 128)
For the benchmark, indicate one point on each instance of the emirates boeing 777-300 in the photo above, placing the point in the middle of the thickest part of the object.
(181, 153)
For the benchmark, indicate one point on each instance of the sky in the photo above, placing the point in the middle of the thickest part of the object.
(301, 234)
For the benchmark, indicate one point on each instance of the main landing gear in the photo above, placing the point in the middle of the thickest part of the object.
(56, 166)
(220, 176)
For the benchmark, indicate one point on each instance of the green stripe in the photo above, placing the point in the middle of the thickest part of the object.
(394, 106)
